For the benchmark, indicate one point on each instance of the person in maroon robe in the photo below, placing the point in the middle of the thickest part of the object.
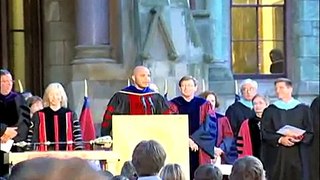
(137, 99)
(221, 129)
(249, 136)
(198, 110)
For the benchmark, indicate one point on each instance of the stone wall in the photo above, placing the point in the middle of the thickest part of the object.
(305, 36)
(59, 40)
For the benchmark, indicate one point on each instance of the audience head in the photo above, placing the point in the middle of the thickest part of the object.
(34, 103)
(188, 86)
(119, 177)
(107, 174)
(211, 97)
(283, 88)
(128, 170)
(141, 77)
(172, 172)
(247, 168)
(55, 95)
(259, 104)
(208, 172)
(148, 158)
(248, 89)
(6, 82)
(52, 169)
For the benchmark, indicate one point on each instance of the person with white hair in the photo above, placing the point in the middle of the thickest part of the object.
(56, 122)
(242, 109)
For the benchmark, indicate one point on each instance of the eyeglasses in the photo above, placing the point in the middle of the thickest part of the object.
(248, 89)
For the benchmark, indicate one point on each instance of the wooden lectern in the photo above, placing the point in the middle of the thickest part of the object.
(171, 131)
(111, 158)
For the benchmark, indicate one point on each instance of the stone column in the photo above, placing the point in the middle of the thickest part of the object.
(303, 57)
(93, 39)
(220, 72)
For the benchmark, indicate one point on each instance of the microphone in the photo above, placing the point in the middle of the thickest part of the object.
(152, 105)
(144, 104)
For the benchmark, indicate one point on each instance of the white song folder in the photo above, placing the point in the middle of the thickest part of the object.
(288, 130)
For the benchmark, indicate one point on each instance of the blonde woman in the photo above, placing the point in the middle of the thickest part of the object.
(56, 122)
(172, 172)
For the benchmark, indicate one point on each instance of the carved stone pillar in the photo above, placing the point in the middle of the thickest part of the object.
(92, 32)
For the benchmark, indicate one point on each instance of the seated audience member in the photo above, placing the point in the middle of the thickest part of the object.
(128, 170)
(221, 129)
(35, 104)
(148, 158)
(56, 122)
(249, 136)
(247, 168)
(54, 169)
(172, 172)
(107, 174)
(208, 172)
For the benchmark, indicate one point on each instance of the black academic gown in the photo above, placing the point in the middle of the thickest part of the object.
(315, 144)
(282, 162)
(52, 132)
(132, 101)
(237, 113)
(197, 110)
(14, 113)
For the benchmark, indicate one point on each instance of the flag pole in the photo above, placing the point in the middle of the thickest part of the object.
(20, 86)
(203, 85)
(165, 86)
(236, 87)
(85, 88)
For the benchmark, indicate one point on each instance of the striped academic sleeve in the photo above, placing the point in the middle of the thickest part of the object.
(76, 131)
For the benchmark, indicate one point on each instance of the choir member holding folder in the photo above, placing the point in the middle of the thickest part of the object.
(287, 132)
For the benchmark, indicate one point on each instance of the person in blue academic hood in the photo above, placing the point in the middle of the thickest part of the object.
(286, 155)
(137, 99)
(243, 108)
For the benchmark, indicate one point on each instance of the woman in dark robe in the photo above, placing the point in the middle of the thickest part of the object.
(56, 123)
(249, 136)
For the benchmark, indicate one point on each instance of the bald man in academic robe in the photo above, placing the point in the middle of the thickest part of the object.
(136, 99)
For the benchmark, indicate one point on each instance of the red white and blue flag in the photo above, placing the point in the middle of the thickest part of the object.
(87, 124)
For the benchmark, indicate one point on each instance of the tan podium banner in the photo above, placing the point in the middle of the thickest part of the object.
(171, 131)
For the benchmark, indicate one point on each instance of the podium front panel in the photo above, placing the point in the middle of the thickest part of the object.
(171, 131)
